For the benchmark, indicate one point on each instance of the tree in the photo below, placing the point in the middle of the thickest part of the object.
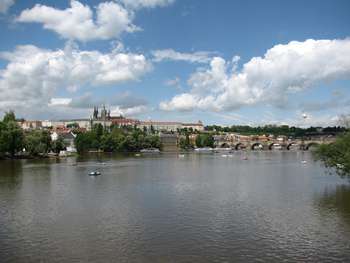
(108, 144)
(58, 145)
(336, 154)
(11, 137)
(199, 141)
(208, 140)
(73, 125)
(9, 116)
(185, 142)
(83, 142)
(345, 121)
(37, 142)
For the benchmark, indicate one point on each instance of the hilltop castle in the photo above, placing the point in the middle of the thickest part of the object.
(104, 116)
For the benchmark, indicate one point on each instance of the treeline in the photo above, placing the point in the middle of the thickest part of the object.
(286, 130)
(15, 142)
(202, 140)
(116, 139)
(336, 154)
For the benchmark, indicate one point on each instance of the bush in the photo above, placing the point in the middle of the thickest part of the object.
(336, 154)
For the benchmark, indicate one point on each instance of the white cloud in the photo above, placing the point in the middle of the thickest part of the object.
(33, 75)
(5, 5)
(132, 111)
(170, 54)
(283, 70)
(59, 102)
(77, 21)
(137, 4)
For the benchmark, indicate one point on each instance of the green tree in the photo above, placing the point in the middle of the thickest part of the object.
(11, 135)
(185, 142)
(336, 154)
(83, 142)
(73, 125)
(108, 143)
(9, 116)
(208, 140)
(199, 141)
(58, 145)
(37, 142)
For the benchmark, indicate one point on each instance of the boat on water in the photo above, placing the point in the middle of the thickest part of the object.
(223, 150)
(150, 150)
(204, 149)
(95, 173)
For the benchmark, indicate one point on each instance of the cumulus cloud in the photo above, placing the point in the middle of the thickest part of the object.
(172, 55)
(60, 101)
(78, 22)
(137, 4)
(5, 5)
(33, 75)
(284, 69)
(122, 100)
(124, 104)
(131, 111)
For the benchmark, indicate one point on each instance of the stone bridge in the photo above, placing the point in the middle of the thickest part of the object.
(271, 144)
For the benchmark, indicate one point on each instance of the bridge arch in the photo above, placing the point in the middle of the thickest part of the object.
(271, 146)
(240, 146)
(257, 145)
(225, 145)
(311, 144)
(290, 145)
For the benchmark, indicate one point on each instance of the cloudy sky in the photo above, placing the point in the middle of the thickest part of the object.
(225, 62)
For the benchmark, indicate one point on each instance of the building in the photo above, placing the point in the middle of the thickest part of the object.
(165, 126)
(194, 126)
(30, 125)
(121, 121)
(68, 138)
(103, 116)
(168, 126)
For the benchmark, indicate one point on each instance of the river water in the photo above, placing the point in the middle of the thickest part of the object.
(273, 207)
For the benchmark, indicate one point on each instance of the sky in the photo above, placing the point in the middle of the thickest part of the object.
(224, 62)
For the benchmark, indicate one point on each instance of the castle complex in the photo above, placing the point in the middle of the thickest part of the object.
(103, 116)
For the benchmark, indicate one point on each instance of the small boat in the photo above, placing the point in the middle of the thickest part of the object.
(181, 155)
(244, 158)
(204, 149)
(224, 155)
(304, 162)
(95, 173)
(137, 155)
(150, 150)
(220, 150)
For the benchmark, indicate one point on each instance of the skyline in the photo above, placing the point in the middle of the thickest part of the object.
(236, 62)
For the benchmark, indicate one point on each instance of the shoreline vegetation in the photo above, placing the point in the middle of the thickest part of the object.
(116, 139)
(16, 143)
(336, 155)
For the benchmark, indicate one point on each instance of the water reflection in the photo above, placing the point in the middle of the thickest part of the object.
(272, 206)
(335, 200)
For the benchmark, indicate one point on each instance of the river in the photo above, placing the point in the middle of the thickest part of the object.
(275, 206)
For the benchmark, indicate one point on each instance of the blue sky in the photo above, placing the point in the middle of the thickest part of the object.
(224, 62)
